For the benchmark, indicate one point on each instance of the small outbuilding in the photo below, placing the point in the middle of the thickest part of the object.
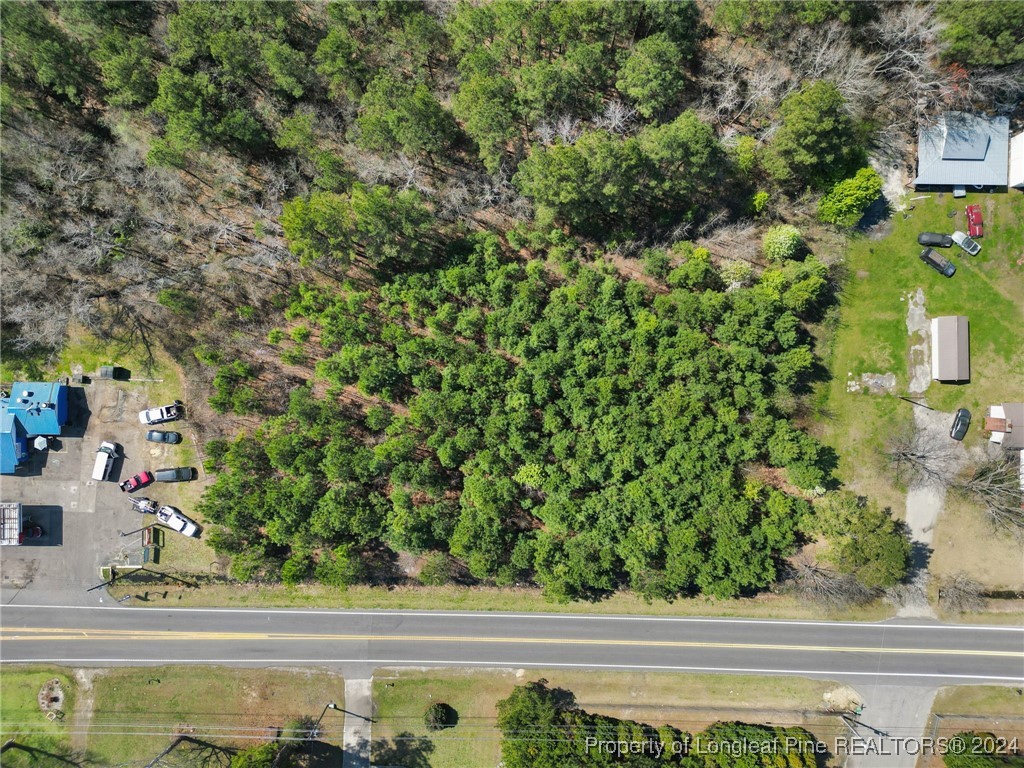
(951, 349)
(1005, 422)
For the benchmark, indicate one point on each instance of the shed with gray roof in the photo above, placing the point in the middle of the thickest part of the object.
(951, 349)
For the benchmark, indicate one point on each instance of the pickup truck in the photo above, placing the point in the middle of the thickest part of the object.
(163, 413)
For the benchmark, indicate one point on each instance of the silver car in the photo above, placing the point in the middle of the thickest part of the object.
(966, 243)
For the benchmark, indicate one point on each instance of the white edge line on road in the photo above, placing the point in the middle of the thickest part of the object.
(541, 616)
(507, 664)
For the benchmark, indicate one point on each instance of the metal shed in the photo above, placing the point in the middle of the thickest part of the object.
(951, 349)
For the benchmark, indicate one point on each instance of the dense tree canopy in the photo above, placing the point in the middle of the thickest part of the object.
(816, 143)
(579, 434)
(543, 727)
(397, 245)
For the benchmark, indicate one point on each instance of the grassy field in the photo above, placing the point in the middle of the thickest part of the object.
(137, 712)
(494, 599)
(22, 720)
(965, 541)
(979, 708)
(872, 338)
(690, 702)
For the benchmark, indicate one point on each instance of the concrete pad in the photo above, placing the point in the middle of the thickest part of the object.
(885, 732)
(80, 517)
(358, 719)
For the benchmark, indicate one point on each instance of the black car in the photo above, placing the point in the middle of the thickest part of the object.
(159, 436)
(961, 423)
(934, 238)
(940, 264)
(174, 474)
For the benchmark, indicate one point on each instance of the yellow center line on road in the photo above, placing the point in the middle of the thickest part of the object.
(10, 634)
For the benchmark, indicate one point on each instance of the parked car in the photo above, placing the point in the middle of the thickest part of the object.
(966, 243)
(105, 456)
(159, 436)
(940, 264)
(934, 238)
(163, 413)
(961, 423)
(975, 224)
(174, 475)
(135, 482)
(176, 521)
(144, 506)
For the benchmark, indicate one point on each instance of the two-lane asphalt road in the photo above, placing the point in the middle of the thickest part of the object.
(880, 654)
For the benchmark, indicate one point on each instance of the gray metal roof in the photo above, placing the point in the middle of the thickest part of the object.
(964, 149)
(1017, 161)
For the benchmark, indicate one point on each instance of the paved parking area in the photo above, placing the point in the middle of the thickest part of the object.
(80, 517)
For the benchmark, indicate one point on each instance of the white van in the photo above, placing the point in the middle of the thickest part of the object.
(104, 460)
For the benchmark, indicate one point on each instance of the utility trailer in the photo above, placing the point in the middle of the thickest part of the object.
(10, 523)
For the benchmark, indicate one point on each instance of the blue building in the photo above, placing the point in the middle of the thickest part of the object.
(33, 408)
(13, 442)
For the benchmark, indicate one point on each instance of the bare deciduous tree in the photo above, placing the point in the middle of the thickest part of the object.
(823, 586)
(618, 117)
(568, 129)
(961, 594)
(914, 453)
(997, 485)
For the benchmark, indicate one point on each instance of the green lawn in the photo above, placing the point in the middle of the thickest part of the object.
(984, 700)
(137, 711)
(872, 334)
(690, 702)
(490, 599)
(22, 720)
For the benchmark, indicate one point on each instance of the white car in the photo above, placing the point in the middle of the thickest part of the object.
(176, 521)
(163, 413)
(966, 243)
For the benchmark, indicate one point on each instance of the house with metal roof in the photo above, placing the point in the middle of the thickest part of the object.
(1016, 179)
(964, 150)
(32, 408)
(951, 349)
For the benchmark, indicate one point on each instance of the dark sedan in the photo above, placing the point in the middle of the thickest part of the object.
(159, 436)
(961, 423)
(935, 239)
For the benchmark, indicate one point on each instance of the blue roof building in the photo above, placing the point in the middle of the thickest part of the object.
(33, 408)
(13, 442)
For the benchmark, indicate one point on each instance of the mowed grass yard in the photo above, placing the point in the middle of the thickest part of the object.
(137, 712)
(980, 708)
(872, 338)
(689, 702)
(23, 721)
(129, 715)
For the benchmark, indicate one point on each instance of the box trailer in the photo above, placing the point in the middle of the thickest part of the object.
(10, 523)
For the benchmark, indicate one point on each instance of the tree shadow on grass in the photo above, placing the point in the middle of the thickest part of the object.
(65, 756)
(403, 749)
